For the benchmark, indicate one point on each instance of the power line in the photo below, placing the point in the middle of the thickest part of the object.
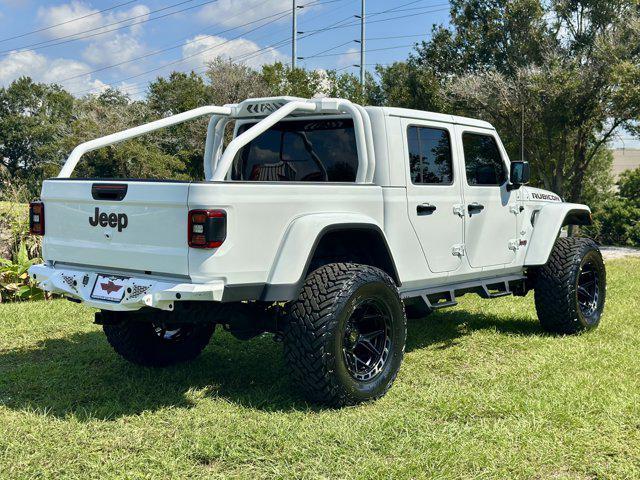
(173, 47)
(353, 53)
(284, 14)
(243, 57)
(67, 21)
(274, 45)
(182, 44)
(250, 55)
(48, 44)
(319, 54)
(368, 22)
(198, 53)
(399, 36)
(324, 51)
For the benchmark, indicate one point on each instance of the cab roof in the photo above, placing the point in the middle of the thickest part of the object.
(433, 117)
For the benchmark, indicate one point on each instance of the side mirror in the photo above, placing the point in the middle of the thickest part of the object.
(520, 174)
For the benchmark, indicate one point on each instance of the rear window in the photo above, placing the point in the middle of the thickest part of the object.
(300, 151)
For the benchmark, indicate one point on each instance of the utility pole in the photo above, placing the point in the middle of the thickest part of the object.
(294, 35)
(362, 43)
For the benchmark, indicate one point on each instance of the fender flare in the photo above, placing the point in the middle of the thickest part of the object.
(549, 220)
(292, 262)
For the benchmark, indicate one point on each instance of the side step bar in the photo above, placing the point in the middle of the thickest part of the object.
(445, 295)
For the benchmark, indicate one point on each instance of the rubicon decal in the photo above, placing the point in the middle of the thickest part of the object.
(112, 220)
(545, 196)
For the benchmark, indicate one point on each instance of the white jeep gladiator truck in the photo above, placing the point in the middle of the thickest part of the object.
(319, 222)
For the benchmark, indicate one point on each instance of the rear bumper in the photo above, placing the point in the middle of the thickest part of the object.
(139, 292)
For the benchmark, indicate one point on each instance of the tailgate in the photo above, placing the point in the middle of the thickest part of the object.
(87, 223)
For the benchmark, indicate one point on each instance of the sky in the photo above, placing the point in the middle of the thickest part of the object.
(89, 45)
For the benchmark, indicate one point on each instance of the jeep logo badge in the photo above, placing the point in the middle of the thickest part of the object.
(112, 220)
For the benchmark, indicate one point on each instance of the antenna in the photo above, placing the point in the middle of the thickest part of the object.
(522, 132)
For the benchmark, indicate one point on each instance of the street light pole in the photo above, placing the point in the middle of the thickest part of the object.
(294, 35)
(362, 43)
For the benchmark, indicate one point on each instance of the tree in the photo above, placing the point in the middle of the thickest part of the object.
(408, 85)
(572, 67)
(298, 82)
(35, 119)
(629, 184)
(178, 93)
(141, 157)
(234, 82)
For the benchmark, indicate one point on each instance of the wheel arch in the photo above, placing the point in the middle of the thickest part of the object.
(547, 223)
(316, 233)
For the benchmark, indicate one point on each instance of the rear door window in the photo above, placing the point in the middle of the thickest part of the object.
(430, 156)
(300, 151)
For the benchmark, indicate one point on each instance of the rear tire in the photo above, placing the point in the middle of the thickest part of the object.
(151, 341)
(345, 335)
(570, 289)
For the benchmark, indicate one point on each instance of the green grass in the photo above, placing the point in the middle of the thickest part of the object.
(483, 393)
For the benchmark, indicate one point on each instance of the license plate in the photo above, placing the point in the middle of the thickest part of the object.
(109, 288)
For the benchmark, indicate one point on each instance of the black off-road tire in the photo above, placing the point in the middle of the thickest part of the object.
(140, 338)
(556, 287)
(319, 322)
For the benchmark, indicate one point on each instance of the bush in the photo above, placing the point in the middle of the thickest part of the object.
(616, 220)
(15, 283)
(18, 249)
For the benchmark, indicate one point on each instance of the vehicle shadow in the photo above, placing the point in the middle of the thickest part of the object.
(81, 376)
(443, 328)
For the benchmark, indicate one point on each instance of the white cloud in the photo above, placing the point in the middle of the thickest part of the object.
(92, 19)
(117, 49)
(350, 57)
(231, 13)
(43, 69)
(112, 47)
(203, 48)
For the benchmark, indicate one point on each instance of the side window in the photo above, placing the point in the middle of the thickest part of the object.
(430, 156)
(483, 163)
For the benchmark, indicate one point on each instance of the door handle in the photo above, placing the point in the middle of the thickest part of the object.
(425, 209)
(475, 207)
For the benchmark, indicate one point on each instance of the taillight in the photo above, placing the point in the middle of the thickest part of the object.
(36, 218)
(207, 228)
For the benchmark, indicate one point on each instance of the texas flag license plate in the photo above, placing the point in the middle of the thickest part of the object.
(109, 288)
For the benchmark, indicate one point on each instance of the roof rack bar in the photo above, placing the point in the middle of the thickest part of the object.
(91, 145)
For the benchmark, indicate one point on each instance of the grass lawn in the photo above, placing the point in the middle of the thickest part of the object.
(483, 393)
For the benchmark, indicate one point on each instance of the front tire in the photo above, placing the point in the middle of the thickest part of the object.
(345, 335)
(570, 289)
(151, 340)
